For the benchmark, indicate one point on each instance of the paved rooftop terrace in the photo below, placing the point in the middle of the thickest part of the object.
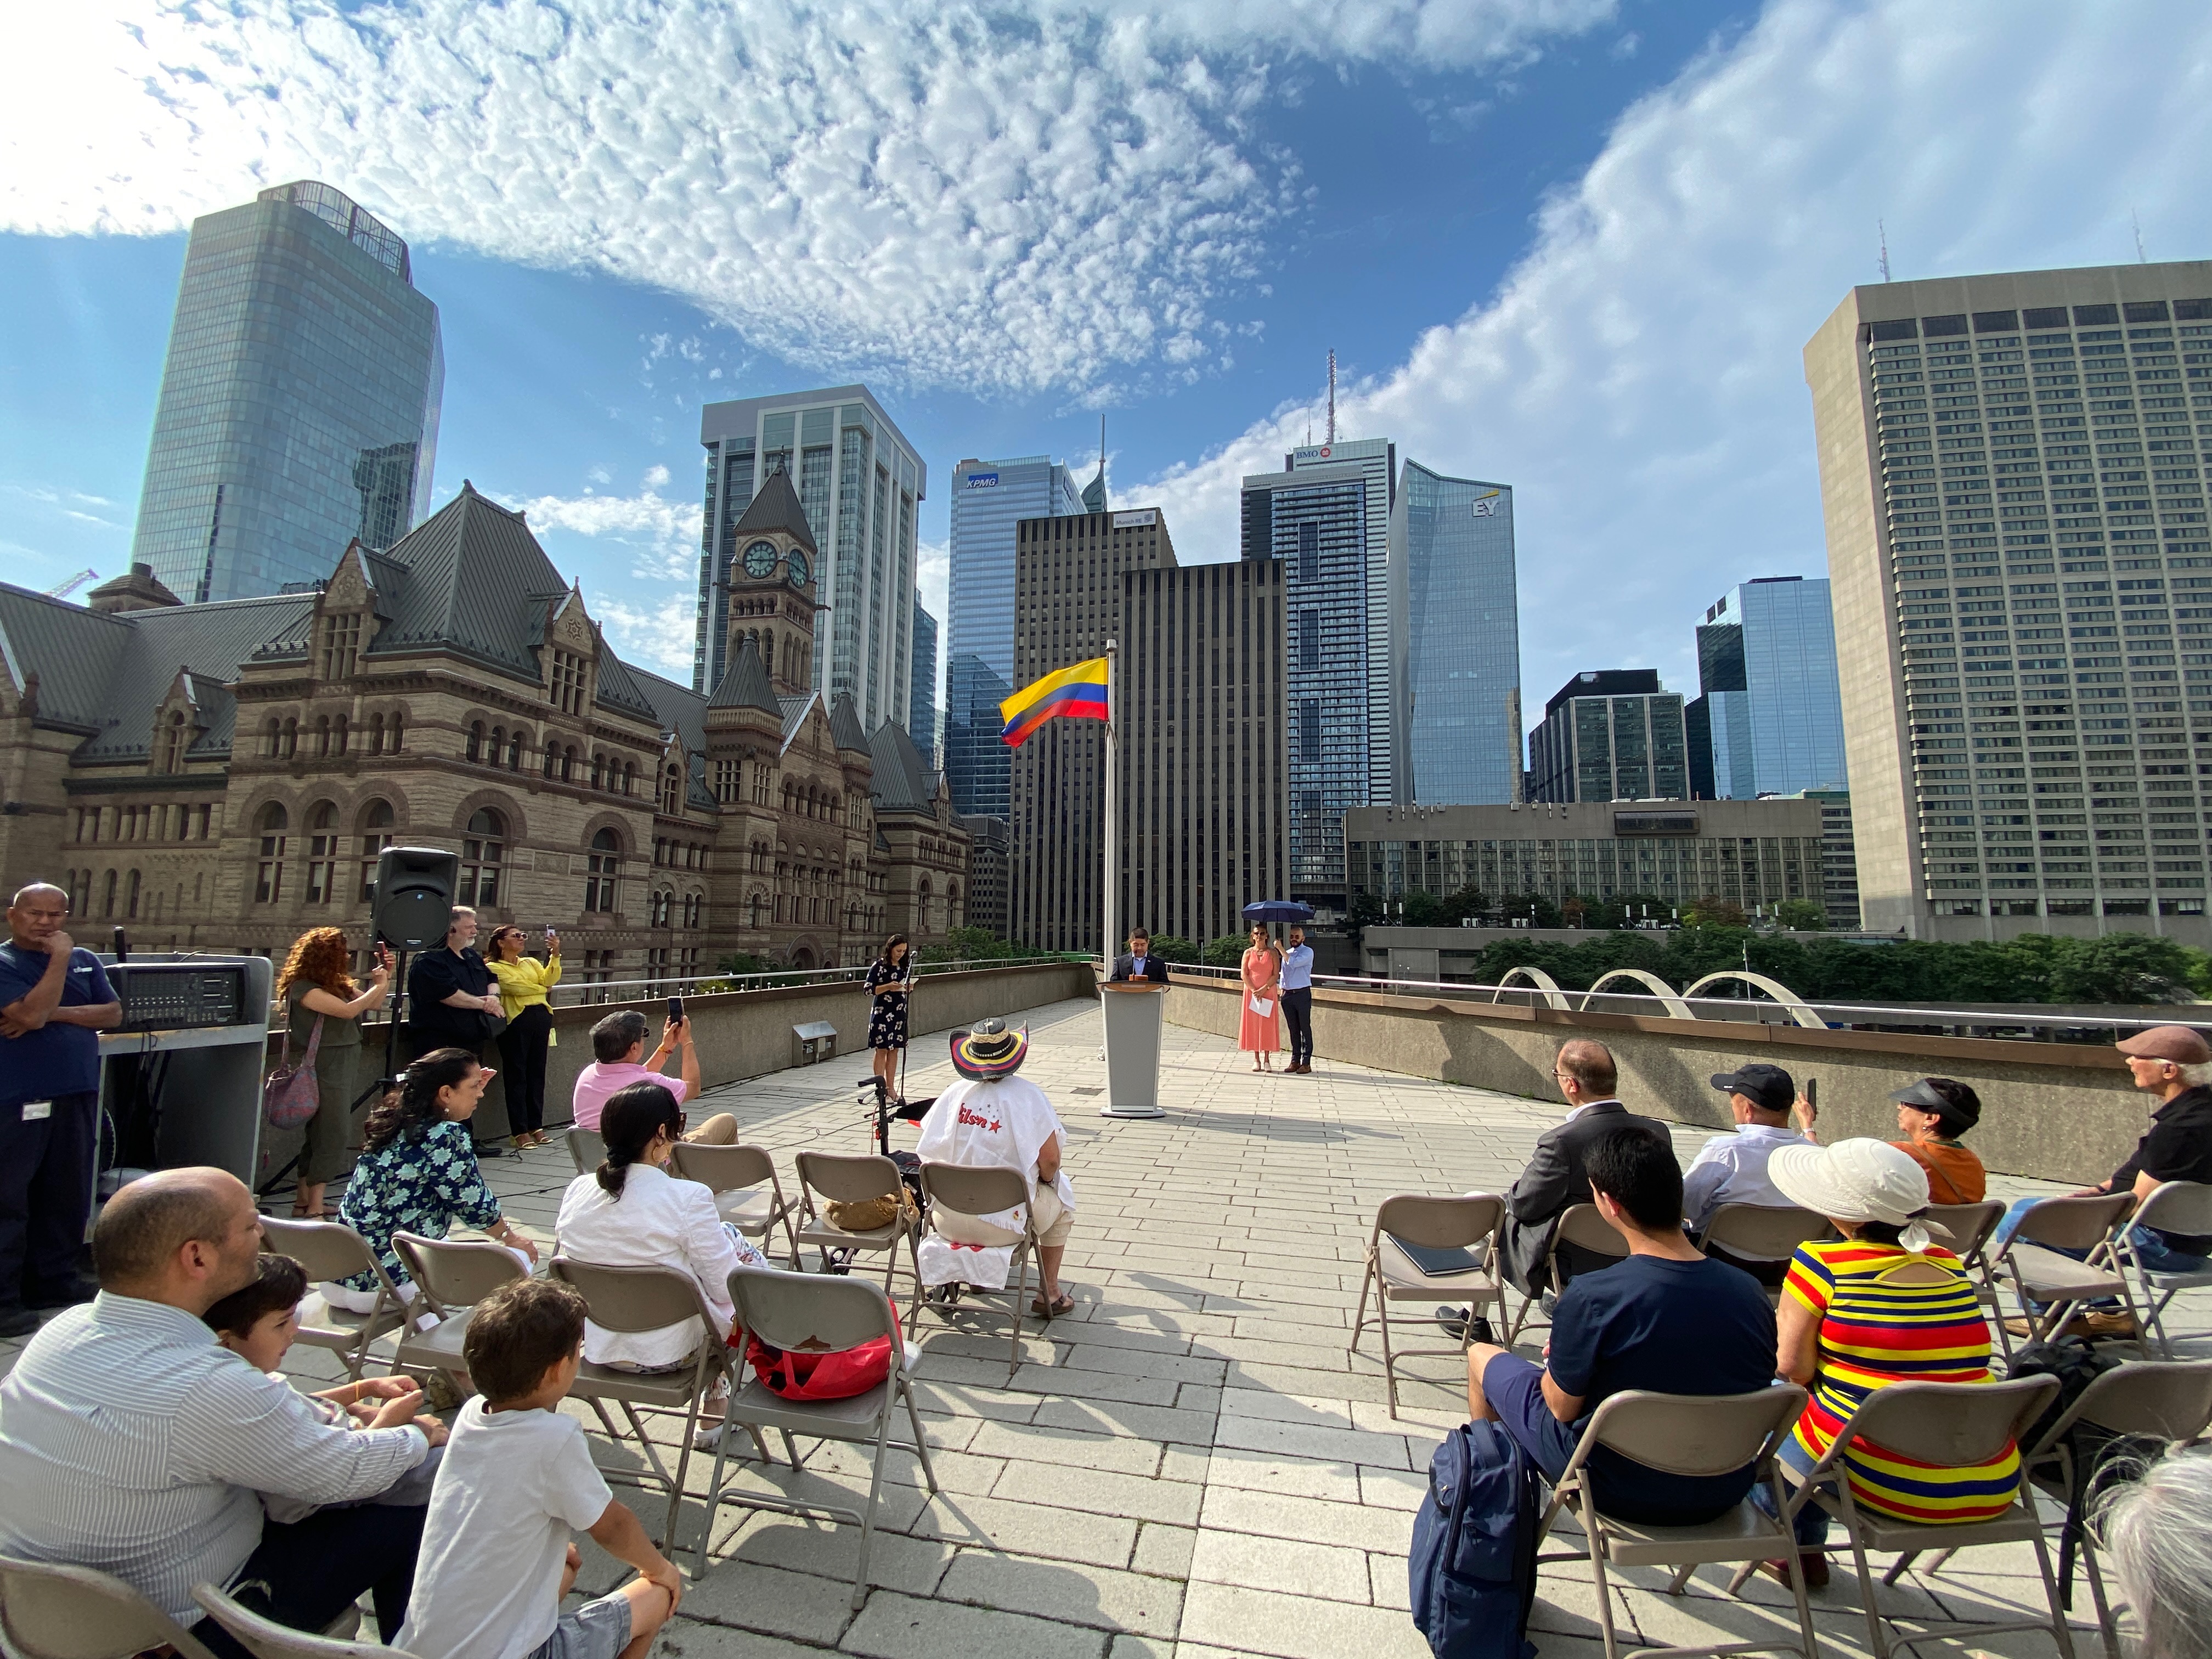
(1190, 1464)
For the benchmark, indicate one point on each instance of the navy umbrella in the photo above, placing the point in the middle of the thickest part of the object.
(1277, 911)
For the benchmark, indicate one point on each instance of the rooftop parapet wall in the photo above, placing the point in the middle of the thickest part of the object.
(2051, 1111)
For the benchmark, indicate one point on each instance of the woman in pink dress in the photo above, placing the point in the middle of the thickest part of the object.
(1262, 1034)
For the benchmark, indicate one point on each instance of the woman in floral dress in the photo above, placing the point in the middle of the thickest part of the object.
(1262, 1034)
(890, 977)
(418, 1173)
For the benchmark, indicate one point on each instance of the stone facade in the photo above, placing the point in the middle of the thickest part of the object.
(222, 776)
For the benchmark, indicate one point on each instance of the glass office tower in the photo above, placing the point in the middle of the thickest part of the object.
(1326, 516)
(921, 704)
(1770, 722)
(989, 498)
(858, 480)
(299, 404)
(1455, 641)
(1610, 734)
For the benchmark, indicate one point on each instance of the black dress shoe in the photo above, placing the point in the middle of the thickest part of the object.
(1453, 1322)
(17, 1321)
(63, 1296)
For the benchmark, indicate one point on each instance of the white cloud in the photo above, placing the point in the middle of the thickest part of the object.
(1639, 376)
(906, 191)
(637, 559)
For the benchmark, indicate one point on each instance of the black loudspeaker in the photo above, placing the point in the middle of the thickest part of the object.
(414, 896)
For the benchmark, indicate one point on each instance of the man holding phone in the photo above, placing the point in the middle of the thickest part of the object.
(618, 1045)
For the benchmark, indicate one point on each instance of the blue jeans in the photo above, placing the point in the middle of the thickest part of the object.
(2150, 1246)
(1812, 1523)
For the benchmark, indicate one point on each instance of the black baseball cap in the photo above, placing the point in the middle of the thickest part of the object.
(1769, 1087)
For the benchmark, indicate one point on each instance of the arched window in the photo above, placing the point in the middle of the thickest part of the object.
(173, 742)
(398, 721)
(514, 741)
(131, 908)
(921, 907)
(269, 872)
(599, 763)
(108, 896)
(630, 777)
(476, 740)
(338, 736)
(496, 747)
(376, 834)
(552, 756)
(323, 735)
(755, 908)
(952, 904)
(483, 852)
(672, 791)
(568, 764)
(601, 871)
(272, 737)
(291, 739)
(659, 909)
(322, 852)
(376, 735)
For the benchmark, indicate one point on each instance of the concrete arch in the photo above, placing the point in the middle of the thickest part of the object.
(1791, 1003)
(1674, 1006)
(1553, 996)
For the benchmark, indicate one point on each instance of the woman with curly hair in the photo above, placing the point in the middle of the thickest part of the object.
(418, 1173)
(319, 994)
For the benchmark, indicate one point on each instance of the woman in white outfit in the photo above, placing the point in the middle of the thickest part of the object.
(631, 1213)
(992, 1119)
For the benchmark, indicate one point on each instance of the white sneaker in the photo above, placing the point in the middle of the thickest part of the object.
(707, 1440)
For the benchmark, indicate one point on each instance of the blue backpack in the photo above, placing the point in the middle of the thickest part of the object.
(1472, 1565)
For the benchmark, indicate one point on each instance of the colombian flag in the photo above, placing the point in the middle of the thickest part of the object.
(1078, 691)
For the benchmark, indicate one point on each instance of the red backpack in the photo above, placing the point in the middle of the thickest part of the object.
(838, 1374)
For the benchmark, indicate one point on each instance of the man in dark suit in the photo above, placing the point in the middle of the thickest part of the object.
(1141, 962)
(1557, 1177)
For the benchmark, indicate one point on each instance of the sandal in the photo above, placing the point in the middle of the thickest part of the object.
(1038, 1309)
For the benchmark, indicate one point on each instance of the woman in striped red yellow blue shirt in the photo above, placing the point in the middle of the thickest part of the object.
(1883, 1305)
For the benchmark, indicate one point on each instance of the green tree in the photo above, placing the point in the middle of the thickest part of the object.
(1801, 916)
(1175, 948)
(1223, 950)
(1366, 912)
(1425, 910)
(1469, 901)
(1714, 911)
(969, 945)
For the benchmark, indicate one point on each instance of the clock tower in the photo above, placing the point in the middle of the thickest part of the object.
(771, 582)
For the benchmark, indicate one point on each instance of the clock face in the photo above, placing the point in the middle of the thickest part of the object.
(760, 559)
(800, 570)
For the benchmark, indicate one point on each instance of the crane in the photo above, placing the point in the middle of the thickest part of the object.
(71, 586)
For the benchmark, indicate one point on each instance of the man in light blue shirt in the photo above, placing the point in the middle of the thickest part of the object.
(1731, 1169)
(1297, 998)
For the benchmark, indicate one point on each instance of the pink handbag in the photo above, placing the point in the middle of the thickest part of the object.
(292, 1096)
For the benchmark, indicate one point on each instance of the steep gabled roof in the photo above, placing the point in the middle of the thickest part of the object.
(845, 726)
(795, 714)
(682, 711)
(775, 507)
(746, 685)
(903, 782)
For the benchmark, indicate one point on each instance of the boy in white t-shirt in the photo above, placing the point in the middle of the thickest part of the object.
(497, 1560)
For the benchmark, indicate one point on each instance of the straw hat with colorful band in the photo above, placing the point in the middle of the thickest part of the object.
(990, 1051)
(1856, 1181)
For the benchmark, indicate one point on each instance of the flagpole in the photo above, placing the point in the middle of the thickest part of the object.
(1113, 825)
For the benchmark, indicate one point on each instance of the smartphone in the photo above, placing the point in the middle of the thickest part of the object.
(676, 1010)
(1812, 1092)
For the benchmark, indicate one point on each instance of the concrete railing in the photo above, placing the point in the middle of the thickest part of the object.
(2052, 1110)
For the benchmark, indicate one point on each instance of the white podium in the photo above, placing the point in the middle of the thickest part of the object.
(1133, 1009)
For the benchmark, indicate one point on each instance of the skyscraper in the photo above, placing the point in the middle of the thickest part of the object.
(858, 480)
(1610, 734)
(922, 706)
(1067, 603)
(1770, 719)
(1455, 641)
(989, 498)
(1327, 517)
(2010, 474)
(299, 405)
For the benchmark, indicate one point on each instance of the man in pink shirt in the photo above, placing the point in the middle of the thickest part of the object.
(618, 1041)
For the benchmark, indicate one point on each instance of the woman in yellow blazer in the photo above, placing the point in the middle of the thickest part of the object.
(523, 984)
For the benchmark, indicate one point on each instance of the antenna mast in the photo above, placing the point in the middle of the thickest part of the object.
(1332, 396)
(1882, 230)
(2141, 257)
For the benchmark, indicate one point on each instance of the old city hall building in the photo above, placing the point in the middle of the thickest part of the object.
(222, 776)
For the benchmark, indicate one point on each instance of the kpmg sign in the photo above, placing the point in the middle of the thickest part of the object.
(981, 481)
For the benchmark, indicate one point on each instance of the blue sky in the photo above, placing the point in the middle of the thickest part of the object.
(1571, 244)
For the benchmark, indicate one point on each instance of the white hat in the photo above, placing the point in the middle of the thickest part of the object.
(1856, 1181)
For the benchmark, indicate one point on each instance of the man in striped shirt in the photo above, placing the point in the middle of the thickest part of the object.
(130, 1441)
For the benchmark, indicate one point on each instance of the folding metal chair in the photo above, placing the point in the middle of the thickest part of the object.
(2061, 1284)
(651, 1299)
(734, 1174)
(1583, 1227)
(1966, 1231)
(842, 1179)
(1945, 1425)
(811, 1313)
(1687, 1436)
(2160, 1399)
(957, 1189)
(330, 1250)
(53, 1612)
(451, 1275)
(587, 1150)
(264, 1638)
(2173, 1206)
(1762, 1232)
(1469, 1224)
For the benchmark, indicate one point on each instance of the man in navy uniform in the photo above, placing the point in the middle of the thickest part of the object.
(55, 1000)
